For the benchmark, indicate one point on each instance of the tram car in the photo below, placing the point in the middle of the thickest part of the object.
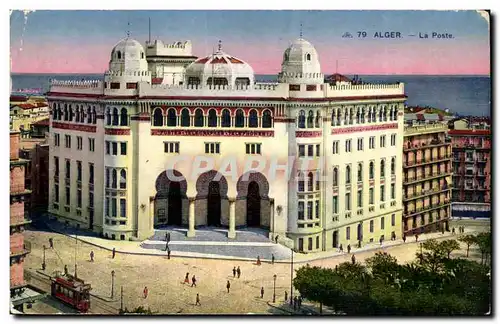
(71, 291)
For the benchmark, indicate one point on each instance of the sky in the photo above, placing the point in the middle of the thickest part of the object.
(57, 41)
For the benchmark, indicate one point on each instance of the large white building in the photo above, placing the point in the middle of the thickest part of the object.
(129, 155)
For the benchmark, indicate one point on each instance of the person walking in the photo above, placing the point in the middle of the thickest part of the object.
(348, 248)
(228, 285)
(416, 238)
(145, 292)
(261, 292)
(353, 259)
(258, 260)
(286, 296)
(51, 243)
(193, 281)
(341, 248)
(404, 238)
(453, 231)
(234, 272)
(168, 253)
(113, 253)
(272, 258)
(277, 237)
(381, 240)
(91, 256)
(186, 279)
(238, 271)
(197, 300)
(295, 302)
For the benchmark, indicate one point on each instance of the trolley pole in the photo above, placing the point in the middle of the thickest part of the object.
(291, 279)
(112, 283)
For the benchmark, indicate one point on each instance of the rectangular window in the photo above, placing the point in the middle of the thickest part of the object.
(382, 223)
(393, 220)
(382, 193)
(78, 170)
(106, 206)
(91, 144)
(348, 233)
(393, 191)
(336, 147)
(335, 205)
(212, 148)
(348, 145)
(301, 210)
(302, 150)
(294, 87)
(317, 242)
(91, 199)
(318, 150)
(79, 143)
(371, 226)
(372, 196)
(311, 87)
(57, 141)
(68, 169)
(113, 207)
(123, 148)
(348, 201)
(316, 208)
(67, 141)
(310, 150)
(107, 177)
(310, 243)
(382, 141)
(56, 166)
(115, 148)
(123, 208)
(360, 198)
(79, 198)
(171, 147)
(252, 148)
(393, 139)
(309, 210)
(372, 142)
(114, 85)
(68, 197)
(131, 85)
(108, 145)
(360, 144)
(56, 193)
(301, 244)
(91, 173)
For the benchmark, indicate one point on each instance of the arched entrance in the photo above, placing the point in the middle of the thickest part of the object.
(360, 232)
(213, 204)
(171, 188)
(253, 204)
(174, 200)
(335, 239)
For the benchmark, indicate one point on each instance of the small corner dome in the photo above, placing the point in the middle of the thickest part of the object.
(219, 69)
(128, 55)
(301, 59)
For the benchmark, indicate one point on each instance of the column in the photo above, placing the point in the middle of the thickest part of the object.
(232, 218)
(191, 232)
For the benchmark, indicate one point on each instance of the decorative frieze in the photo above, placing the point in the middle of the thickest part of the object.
(208, 133)
(117, 131)
(74, 127)
(368, 128)
(308, 134)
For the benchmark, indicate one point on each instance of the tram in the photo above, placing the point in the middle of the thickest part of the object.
(72, 291)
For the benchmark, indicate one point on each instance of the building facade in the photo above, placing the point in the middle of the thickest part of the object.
(36, 153)
(471, 168)
(316, 164)
(426, 178)
(18, 247)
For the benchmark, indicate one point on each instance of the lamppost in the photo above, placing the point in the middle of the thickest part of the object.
(274, 289)
(112, 283)
(43, 263)
(291, 279)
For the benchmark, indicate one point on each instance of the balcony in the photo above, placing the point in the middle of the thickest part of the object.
(429, 176)
(19, 190)
(435, 159)
(484, 146)
(426, 129)
(424, 193)
(26, 249)
(428, 208)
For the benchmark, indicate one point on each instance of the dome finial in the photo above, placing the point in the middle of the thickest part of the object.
(220, 45)
(301, 30)
(128, 29)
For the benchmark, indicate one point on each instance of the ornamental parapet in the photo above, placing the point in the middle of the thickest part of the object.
(356, 90)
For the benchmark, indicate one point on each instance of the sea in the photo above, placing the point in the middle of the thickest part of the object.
(462, 95)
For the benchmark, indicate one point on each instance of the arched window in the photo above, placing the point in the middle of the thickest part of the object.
(372, 171)
(66, 112)
(123, 117)
(71, 113)
(362, 114)
(360, 172)
(198, 118)
(115, 117)
(77, 114)
(94, 115)
(158, 117)
(374, 114)
(310, 181)
(226, 118)
(212, 118)
(54, 111)
(334, 116)
(300, 177)
(358, 116)
(348, 175)
(308, 57)
(302, 119)
(185, 118)
(82, 114)
(318, 119)
(123, 179)
(119, 55)
(171, 117)
(240, 119)
(108, 116)
(380, 114)
(266, 119)
(113, 177)
(393, 166)
(142, 55)
(89, 115)
(335, 177)
(382, 168)
(310, 119)
(253, 120)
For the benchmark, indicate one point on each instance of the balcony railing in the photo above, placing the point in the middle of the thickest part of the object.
(19, 189)
(485, 146)
(430, 207)
(409, 180)
(424, 193)
(434, 159)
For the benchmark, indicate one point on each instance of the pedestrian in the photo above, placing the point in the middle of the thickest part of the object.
(299, 301)
(359, 244)
(258, 260)
(341, 248)
(113, 253)
(197, 300)
(228, 285)
(65, 269)
(51, 243)
(416, 237)
(272, 259)
(145, 292)
(295, 303)
(168, 254)
(261, 292)
(380, 241)
(193, 280)
(353, 259)
(286, 296)
(442, 230)
(168, 237)
(453, 230)
(348, 248)
(186, 279)
(404, 238)
(234, 272)
(277, 236)
(91, 256)
(238, 271)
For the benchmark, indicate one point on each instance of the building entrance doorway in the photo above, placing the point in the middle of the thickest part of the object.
(213, 204)
(174, 204)
(253, 205)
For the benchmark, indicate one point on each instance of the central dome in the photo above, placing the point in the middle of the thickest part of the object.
(219, 69)
(301, 64)
(128, 55)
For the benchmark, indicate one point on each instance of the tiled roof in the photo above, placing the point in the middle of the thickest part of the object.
(336, 77)
(477, 132)
(42, 122)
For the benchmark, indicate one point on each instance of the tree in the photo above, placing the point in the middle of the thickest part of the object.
(384, 266)
(483, 241)
(448, 246)
(469, 240)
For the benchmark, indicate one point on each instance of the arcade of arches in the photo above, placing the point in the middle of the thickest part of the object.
(211, 205)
